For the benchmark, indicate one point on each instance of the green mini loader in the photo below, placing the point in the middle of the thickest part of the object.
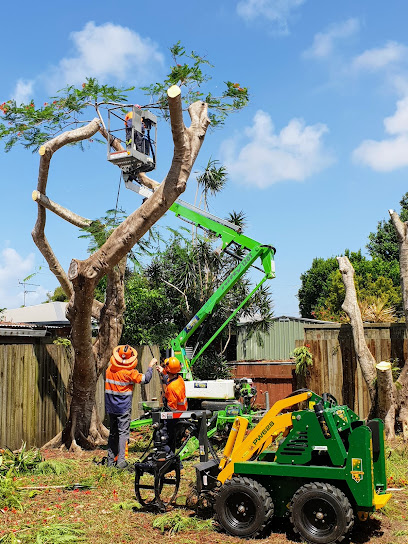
(321, 466)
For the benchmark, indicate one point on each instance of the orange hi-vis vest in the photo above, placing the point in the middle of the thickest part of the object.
(176, 394)
(119, 385)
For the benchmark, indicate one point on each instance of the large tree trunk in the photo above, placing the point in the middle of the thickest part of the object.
(350, 306)
(401, 229)
(83, 429)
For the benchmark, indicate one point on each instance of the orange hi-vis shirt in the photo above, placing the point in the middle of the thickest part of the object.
(119, 385)
(176, 394)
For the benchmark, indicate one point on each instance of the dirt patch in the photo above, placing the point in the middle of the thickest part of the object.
(102, 506)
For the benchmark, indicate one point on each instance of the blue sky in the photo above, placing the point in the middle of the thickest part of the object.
(315, 160)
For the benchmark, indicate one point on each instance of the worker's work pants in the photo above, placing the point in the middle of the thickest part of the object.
(118, 437)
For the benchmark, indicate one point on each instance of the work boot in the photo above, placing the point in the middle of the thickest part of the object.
(122, 464)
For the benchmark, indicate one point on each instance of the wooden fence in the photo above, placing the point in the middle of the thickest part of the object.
(33, 383)
(335, 368)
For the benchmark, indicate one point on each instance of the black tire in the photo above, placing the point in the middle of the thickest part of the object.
(243, 507)
(321, 513)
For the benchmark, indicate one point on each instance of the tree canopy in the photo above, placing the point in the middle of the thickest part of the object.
(31, 125)
(377, 279)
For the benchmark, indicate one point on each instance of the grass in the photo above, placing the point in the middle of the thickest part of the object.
(67, 499)
(397, 464)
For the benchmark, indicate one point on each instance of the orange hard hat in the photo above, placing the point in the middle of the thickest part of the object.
(174, 365)
(125, 352)
(124, 357)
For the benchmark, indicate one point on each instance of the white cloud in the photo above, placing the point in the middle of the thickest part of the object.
(391, 153)
(108, 51)
(277, 11)
(14, 268)
(385, 155)
(23, 91)
(324, 42)
(398, 123)
(296, 153)
(382, 57)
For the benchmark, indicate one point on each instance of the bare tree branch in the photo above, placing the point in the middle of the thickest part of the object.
(62, 212)
(350, 306)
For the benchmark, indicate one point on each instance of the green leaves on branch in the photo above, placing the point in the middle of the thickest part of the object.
(31, 125)
(303, 360)
(188, 72)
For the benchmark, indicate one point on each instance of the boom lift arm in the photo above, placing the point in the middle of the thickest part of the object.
(230, 235)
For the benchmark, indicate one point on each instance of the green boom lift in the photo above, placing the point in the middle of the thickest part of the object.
(230, 236)
(215, 395)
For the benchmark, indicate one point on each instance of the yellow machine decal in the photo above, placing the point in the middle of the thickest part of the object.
(357, 472)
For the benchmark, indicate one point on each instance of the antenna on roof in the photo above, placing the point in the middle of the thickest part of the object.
(25, 291)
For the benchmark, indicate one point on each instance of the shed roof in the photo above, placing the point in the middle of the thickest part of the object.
(281, 318)
(50, 313)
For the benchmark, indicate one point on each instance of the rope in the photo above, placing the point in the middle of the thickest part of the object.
(117, 197)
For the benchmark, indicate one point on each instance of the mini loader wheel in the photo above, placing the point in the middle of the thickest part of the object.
(243, 507)
(321, 513)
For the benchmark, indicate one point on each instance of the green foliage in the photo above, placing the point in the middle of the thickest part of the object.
(52, 467)
(100, 229)
(62, 342)
(383, 244)
(149, 313)
(377, 279)
(211, 366)
(21, 462)
(396, 457)
(59, 533)
(322, 291)
(315, 285)
(303, 359)
(9, 495)
(188, 71)
(189, 273)
(31, 126)
(212, 180)
(9, 539)
(57, 296)
(175, 522)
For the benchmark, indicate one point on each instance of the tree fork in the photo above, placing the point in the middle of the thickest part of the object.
(82, 429)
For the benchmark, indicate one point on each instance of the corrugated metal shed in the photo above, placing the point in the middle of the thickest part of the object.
(278, 343)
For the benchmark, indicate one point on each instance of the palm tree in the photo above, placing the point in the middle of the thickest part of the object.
(212, 181)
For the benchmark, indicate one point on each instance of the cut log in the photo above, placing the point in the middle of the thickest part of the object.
(386, 397)
(173, 91)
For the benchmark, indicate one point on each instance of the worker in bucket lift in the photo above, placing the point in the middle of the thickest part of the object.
(121, 375)
(175, 394)
(140, 142)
